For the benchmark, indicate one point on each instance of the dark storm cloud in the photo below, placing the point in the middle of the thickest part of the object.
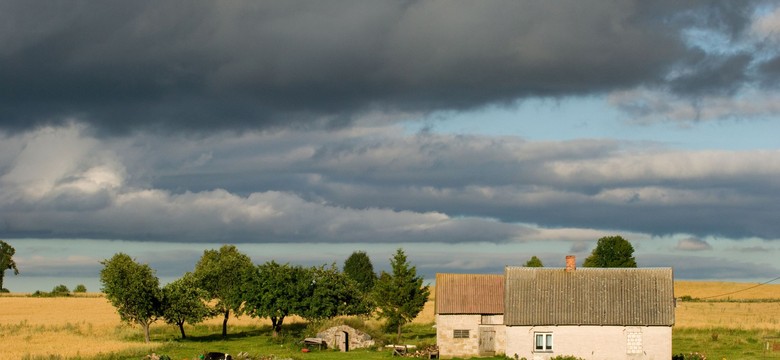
(374, 184)
(203, 65)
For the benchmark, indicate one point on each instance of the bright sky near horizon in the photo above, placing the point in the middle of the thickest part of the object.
(472, 134)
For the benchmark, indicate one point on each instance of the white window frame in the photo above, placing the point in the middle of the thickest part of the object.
(543, 342)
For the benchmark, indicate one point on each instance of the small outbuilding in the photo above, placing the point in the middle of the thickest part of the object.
(345, 338)
(469, 315)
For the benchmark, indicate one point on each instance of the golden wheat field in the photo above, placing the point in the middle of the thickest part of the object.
(89, 325)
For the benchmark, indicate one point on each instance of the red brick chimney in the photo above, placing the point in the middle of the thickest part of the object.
(571, 263)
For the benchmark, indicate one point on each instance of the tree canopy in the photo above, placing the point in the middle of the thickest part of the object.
(332, 293)
(533, 262)
(6, 260)
(400, 296)
(275, 291)
(611, 251)
(133, 289)
(184, 302)
(358, 267)
(219, 273)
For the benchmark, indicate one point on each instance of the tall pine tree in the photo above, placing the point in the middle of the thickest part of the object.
(400, 296)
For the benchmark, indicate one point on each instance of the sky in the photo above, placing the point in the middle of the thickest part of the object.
(471, 134)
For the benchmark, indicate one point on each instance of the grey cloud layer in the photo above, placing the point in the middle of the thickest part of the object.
(380, 185)
(243, 64)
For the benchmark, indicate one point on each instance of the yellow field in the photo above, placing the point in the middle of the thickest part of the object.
(88, 326)
(742, 291)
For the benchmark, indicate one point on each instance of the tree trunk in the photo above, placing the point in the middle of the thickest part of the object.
(398, 336)
(224, 323)
(276, 323)
(181, 328)
(147, 337)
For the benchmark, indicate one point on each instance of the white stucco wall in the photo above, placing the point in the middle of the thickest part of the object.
(450, 347)
(593, 342)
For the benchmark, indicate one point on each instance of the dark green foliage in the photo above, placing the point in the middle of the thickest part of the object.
(400, 296)
(689, 356)
(184, 302)
(6, 261)
(359, 268)
(60, 290)
(219, 273)
(612, 252)
(133, 289)
(534, 262)
(331, 294)
(80, 288)
(275, 291)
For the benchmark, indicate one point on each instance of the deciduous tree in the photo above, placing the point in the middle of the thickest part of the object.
(133, 289)
(400, 296)
(219, 273)
(332, 293)
(359, 268)
(276, 291)
(183, 301)
(6, 261)
(611, 251)
(534, 262)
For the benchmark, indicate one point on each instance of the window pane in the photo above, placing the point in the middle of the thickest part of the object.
(549, 342)
(539, 342)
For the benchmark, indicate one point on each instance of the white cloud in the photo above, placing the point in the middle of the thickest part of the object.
(693, 244)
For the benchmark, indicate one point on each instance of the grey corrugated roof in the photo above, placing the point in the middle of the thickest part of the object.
(469, 294)
(589, 296)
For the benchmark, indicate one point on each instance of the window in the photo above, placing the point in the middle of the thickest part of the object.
(544, 341)
(460, 334)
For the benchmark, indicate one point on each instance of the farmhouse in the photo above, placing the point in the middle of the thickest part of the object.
(469, 315)
(592, 313)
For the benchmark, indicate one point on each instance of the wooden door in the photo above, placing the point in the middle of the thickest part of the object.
(487, 341)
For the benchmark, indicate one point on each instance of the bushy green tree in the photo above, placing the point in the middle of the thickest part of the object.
(358, 267)
(184, 302)
(60, 290)
(611, 252)
(276, 291)
(80, 288)
(332, 293)
(133, 289)
(6, 261)
(219, 273)
(534, 262)
(400, 296)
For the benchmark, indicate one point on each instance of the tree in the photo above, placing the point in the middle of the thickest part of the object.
(133, 289)
(400, 296)
(80, 288)
(332, 293)
(534, 262)
(358, 267)
(276, 291)
(184, 302)
(6, 261)
(220, 272)
(611, 251)
(60, 290)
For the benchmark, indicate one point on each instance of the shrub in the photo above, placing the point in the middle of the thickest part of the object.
(60, 290)
(80, 288)
(689, 356)
(565, 357)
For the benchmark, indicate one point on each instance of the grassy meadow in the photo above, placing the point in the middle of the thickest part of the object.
(736, 326)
